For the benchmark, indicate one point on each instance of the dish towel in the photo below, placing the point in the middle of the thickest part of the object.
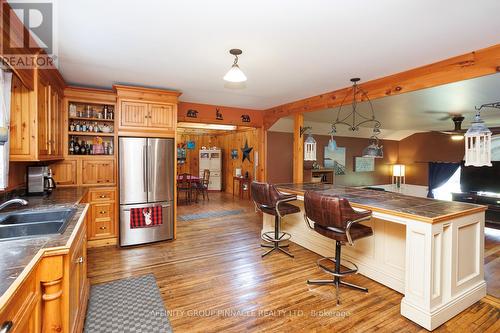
(5, 87)
(145, 217)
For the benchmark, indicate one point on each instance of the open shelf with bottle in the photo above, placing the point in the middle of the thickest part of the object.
(90, 145)
(90, 128)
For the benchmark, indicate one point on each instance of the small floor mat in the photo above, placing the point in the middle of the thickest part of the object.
(127, 305)
(208, 215)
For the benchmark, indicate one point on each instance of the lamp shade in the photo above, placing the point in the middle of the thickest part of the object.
(398, 170)
(235, 74)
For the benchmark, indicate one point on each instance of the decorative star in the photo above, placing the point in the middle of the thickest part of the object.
(246, 152)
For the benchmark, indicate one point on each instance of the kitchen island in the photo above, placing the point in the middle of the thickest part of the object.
(429, 250)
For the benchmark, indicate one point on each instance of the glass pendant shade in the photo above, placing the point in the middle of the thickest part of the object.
(478, 144)
(332, 144)
(310, 149)
(235, 74)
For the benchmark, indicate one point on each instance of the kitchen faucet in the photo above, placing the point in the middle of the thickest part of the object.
(13, 202)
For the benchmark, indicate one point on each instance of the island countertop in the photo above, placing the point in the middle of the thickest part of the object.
(422, 209)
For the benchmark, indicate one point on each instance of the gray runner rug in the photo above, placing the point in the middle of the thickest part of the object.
(127, 306)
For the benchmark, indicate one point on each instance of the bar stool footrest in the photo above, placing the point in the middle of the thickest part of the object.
(269, 237)
(349, 271)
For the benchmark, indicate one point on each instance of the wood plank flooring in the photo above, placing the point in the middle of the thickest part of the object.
(212, 279)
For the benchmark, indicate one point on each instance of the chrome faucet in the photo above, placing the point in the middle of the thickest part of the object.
(11, 202)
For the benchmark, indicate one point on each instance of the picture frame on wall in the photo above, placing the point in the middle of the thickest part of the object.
(364, 164)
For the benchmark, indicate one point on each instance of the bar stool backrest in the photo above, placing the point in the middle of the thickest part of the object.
(264, 194)
(328, 211)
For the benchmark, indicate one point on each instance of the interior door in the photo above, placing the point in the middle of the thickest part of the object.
(160, 170)
(133, 166)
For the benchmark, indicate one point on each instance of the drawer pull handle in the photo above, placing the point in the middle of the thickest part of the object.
(6, 326)
(102, 228)
(102, 212)
(79, 260)
(102, 196)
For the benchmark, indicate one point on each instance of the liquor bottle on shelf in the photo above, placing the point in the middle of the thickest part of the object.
(111, 113)
(71, 146)
(76, 147)
(72, 127)
(77, 127)
(105, 111)
(83, 150)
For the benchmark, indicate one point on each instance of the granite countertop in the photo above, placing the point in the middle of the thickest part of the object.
(422, 209)
(17, 256)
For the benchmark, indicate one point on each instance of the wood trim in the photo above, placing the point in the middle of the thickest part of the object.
(298, 149)
(146, 94)
(90, 95)
(463, 67)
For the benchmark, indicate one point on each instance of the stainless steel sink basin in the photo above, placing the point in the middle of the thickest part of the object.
(34, 223)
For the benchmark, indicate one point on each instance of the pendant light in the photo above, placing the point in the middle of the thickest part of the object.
(235, 74)
(354, 119)
(478, 143)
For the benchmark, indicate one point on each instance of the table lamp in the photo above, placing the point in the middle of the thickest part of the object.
(398, 174)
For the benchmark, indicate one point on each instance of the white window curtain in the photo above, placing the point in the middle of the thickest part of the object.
(5, 88)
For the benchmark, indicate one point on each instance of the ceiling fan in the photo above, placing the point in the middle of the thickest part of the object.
(457, 133)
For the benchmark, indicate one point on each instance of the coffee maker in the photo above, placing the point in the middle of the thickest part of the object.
(40, 180)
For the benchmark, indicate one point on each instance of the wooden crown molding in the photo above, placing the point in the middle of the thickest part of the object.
(467, 66)
(146, 94)
(84, 93)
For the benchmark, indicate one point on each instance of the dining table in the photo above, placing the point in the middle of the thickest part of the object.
(193, 180)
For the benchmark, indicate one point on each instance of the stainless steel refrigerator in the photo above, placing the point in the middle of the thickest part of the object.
(146, 179)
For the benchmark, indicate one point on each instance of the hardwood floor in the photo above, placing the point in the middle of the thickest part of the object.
(212, 279)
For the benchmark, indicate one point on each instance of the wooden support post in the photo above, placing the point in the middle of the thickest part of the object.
(298, 149)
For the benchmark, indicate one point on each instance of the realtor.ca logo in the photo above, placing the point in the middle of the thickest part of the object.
(28, 39)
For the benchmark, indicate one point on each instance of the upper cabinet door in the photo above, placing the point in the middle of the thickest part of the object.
(22, 123)
(161, 116)
(133, 114)
(44, 123)
(55, 124)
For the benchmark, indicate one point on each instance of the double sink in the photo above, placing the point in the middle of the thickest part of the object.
(34, 223)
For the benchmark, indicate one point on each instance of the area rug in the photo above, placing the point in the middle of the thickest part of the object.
(127, 305)
(208, 215)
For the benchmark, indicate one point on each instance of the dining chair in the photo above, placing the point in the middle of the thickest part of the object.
(184, 185)
(203, 184)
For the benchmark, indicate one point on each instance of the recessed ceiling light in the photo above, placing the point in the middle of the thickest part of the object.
(235, 74)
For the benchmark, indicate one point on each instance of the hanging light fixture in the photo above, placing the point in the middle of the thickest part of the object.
(310, 148)
(235, 74)
(355, 119)
(478, 140)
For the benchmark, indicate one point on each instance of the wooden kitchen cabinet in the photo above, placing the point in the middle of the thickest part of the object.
(64, 172)
(146, 112)
(133, 115)
(78, 283)
(161, 116)
(103, 219)
(24, 307)
(100, 172)
(36, 124)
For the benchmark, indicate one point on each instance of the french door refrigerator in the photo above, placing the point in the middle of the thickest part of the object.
(146, 180)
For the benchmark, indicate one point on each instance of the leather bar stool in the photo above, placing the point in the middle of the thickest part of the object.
(334, 218)
(269, 200)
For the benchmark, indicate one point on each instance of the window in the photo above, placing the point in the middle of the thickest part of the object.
(452, 185)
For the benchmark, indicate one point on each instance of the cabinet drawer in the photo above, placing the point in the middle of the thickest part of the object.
(102, 195)
(104, 210)
(102, 228)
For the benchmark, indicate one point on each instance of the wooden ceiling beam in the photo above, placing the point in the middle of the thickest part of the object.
(467, 66)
